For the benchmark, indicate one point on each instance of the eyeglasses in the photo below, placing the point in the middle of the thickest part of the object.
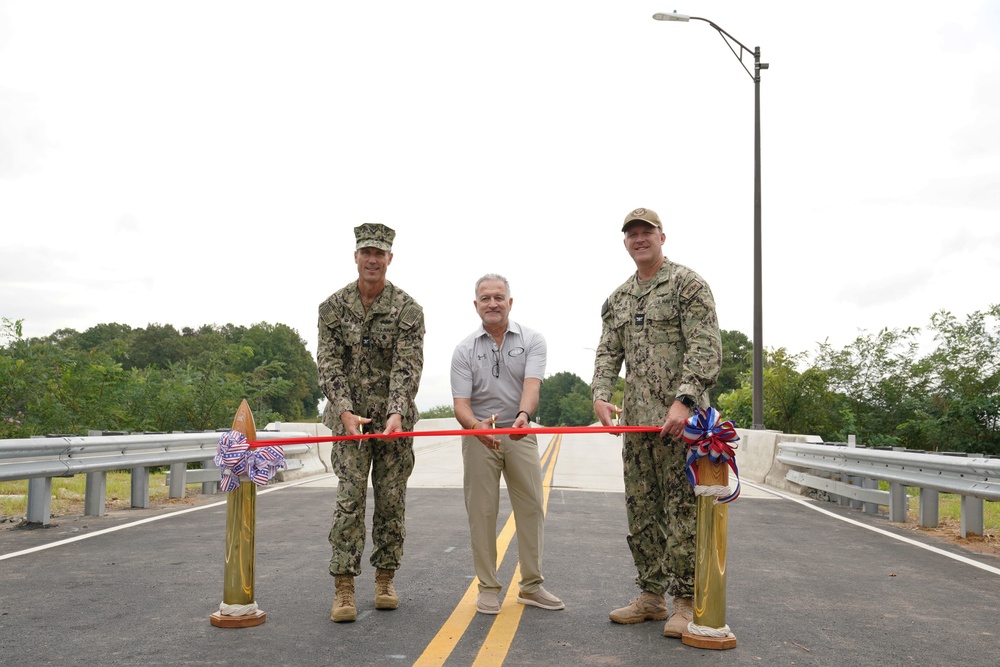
(496, 363)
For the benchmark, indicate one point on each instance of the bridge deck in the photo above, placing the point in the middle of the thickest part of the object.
(804, 586)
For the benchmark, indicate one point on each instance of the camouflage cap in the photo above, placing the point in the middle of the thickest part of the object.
(646, 215)
(374, 235)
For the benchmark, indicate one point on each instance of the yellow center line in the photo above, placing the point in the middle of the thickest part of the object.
(497, 643)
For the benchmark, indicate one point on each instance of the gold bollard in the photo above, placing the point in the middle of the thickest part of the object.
(710, 560)
(237, 588)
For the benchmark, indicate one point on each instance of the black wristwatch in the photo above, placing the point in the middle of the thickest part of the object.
(688, 402)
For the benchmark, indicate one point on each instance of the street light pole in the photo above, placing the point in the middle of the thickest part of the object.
(758, 326)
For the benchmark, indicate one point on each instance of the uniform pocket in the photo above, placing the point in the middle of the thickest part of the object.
(663, 327)
(351, 331)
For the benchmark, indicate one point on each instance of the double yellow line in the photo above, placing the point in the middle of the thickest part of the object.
(497, 643)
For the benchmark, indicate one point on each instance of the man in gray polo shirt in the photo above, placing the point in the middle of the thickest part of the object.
(496, 376)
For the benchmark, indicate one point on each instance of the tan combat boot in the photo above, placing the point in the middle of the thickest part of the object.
(683, 614)
(385, 594)
(343, 600)
(646, 607)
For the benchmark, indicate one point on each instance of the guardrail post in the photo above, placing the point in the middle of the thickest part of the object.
(898, 503)
(96, 493)
(928, 508)
(972, 516)
(844, 478)
(869, 483)
(210, 488)
(871, 508)
(856, 480)
(140, 487)
(177, 474)
(39, 500)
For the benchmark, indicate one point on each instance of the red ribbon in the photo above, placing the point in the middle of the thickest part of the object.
(541, 430)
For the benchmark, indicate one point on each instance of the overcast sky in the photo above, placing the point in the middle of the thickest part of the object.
(205, 162)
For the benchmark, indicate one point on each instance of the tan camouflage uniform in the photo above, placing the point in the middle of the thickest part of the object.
(667, 333)
(370, 364)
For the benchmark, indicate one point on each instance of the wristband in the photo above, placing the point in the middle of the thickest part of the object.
(524, 412)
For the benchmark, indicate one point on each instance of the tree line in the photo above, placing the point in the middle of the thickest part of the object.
(883, 387)
(152, 379)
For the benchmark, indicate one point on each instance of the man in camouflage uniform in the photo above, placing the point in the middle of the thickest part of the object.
(370, 357)
(662, 323)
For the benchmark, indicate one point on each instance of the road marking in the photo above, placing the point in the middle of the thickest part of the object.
(77, 538)
(494, 649)
(880, 531)
(497, 643)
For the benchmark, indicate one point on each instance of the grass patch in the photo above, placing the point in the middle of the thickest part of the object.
(68, 493)
(950, 511)
(949, 508)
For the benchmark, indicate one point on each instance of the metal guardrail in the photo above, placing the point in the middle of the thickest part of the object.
(38, 460)
(852, 473)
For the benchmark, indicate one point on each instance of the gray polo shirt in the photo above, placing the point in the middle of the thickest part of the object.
(493, 379)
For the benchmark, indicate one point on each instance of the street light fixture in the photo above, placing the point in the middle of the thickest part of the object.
(758, 344)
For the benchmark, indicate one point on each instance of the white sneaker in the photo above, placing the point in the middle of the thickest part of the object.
(541, 598)
(488, 602)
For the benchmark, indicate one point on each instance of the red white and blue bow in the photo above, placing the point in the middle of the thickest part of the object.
(236, 458)
(707, 435)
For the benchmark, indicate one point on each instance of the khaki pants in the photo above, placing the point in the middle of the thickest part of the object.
(519, 463)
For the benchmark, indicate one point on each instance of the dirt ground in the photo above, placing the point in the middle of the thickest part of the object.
(949, 531)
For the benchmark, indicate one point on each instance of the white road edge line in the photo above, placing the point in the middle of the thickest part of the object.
(105, 531)
(942, 552)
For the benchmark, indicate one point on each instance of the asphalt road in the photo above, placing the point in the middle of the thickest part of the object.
(807, 584)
